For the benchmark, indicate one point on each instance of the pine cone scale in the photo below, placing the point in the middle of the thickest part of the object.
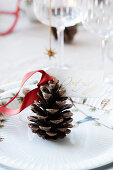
(52, 111)
(68, 120)
(61, 103)
(51, 133)
(44, 128)
(57, 121)
(67, 114)
(67, 106)
(36, 109)
(62, 129)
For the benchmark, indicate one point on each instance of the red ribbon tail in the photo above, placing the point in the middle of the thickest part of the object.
(30, 97)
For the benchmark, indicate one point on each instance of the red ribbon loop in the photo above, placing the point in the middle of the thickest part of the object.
(30, 97)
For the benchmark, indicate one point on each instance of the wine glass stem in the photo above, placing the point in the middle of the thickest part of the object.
(104, 44)
(60, 34)
(104, 49)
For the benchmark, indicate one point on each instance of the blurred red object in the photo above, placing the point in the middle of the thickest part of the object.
(15, 14)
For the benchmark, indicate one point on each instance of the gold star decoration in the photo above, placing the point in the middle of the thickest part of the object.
(51, 53)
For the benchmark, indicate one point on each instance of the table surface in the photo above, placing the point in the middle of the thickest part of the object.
(24, 50)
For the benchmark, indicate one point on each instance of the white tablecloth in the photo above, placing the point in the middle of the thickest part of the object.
(24, 50)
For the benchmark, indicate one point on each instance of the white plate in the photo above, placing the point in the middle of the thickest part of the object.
(88, 146)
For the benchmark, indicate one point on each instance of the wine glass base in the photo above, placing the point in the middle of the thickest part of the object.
(65, 67)
(108, 79)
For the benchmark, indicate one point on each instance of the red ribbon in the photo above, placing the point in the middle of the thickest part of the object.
(16, 15)
(30, 97)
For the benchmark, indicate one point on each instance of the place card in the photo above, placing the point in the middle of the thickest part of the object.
(79, 83)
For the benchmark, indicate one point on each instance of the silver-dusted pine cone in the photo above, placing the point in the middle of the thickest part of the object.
(53, 117)
(2, 120)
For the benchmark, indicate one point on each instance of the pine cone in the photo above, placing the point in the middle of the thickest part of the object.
(69, 33)
(53, 117)
(2, 120)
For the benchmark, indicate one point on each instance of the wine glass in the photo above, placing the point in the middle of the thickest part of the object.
(99, 19)
(64, 13)
(8, 17)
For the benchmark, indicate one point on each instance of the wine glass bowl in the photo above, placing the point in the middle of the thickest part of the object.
(64, 13)
(99, 17)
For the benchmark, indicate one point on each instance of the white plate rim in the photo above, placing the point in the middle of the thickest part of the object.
(91, 164)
